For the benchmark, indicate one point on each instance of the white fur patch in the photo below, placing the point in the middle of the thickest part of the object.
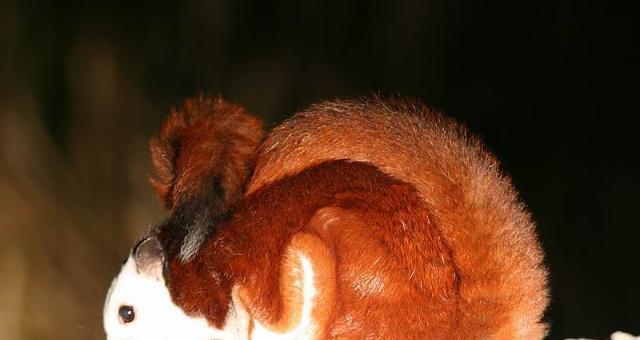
(306, 328)
(158, 318)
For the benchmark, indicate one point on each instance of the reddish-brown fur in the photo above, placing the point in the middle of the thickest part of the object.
(207, 138)
(428, 217)
(383, 229)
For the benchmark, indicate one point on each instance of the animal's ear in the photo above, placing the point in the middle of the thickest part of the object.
(203, 157)
(308, 290)
(149, 257)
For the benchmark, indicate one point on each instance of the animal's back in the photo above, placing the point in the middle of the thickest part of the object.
(499, 282)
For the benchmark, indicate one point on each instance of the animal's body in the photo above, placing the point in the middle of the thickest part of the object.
(362, 219)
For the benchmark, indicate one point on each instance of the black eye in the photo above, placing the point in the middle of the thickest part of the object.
(127, 314)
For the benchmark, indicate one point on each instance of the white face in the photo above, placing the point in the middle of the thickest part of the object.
(139, 307)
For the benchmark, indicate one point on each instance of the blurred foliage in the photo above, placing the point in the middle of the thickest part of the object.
(548, 84)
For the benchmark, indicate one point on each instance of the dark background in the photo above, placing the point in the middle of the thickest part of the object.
(551, 87)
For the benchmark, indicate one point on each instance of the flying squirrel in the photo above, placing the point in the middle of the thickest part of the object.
(354, 219)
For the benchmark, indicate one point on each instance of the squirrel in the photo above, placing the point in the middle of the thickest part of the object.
(354, 219)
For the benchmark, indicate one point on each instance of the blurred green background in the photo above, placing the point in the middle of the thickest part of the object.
(550, 85)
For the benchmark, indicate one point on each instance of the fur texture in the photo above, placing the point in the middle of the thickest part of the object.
(489, 281)
(362, 219)
(488, 231)
(150, 295)
(203, 156)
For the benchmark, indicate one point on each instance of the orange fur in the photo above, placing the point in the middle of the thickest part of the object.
(311, 246)
(203, 157)
(490, 233)
(206, 138)
(416, 235)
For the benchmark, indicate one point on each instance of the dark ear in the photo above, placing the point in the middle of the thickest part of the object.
(149, 258)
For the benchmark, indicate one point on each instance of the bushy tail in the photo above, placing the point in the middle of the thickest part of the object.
(202, 156)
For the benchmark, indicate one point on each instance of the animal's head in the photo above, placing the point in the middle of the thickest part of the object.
(138, 305)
